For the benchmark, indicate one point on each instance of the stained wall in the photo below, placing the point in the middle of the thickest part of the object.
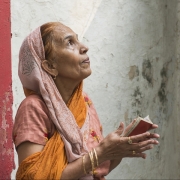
(6, 146)
(134, 53)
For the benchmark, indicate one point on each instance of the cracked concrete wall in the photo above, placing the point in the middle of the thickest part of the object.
(134, 53)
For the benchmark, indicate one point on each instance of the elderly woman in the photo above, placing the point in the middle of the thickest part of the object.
(57, 132)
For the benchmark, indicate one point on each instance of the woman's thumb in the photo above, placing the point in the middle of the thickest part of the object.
(120, 128)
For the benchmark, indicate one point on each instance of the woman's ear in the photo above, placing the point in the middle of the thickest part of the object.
(49, 67)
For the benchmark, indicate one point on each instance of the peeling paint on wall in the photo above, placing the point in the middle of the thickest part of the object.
(134, 72)
(162, 93)
(6, 145)
(137, 101)
(147, 72)
(137, 95)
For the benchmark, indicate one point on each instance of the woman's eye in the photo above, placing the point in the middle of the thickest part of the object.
(69, 43)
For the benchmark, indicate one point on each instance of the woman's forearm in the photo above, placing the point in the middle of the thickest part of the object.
(75, 169)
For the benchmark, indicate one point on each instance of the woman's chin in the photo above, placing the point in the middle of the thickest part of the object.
(87, 73)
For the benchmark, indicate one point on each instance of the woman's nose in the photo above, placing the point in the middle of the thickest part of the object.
(83, 49)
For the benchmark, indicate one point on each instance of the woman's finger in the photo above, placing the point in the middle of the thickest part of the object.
(137, 155)
(138, 146)
(137, 138)
(154, 135)
(139, 152)
(146, 148)
(120, 129)
(144, 136)
(154, 126)
(135, 144)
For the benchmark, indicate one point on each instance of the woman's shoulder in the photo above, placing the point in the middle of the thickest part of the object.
(32, 122)
(33, 101)
(33, 109)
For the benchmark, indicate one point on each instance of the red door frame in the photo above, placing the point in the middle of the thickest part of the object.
(6, 100)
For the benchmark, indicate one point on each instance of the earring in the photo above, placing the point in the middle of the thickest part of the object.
(54, 77)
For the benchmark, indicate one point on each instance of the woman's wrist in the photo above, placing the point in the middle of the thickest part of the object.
(91, 161)
(87, 166)
(100, 155)
(77, 168)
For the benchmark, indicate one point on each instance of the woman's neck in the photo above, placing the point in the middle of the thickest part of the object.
(66, 89)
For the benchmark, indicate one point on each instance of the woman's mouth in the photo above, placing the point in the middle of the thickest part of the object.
(86, 61)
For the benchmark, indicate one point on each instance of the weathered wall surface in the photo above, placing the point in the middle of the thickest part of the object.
(6, 146)
(134, 62)
(134, 53)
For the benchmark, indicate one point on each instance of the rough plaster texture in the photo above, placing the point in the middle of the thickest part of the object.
(135, 57)
(135, 73)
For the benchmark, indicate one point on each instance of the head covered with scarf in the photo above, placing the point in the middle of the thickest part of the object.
(36, 79)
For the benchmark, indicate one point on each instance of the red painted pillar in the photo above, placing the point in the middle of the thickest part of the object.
(6, 145)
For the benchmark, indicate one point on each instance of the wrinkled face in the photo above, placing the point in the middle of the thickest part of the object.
(70, 55)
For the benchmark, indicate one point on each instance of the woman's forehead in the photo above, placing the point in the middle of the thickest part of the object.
(61, 32)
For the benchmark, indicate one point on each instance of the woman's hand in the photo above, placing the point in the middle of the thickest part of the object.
(152, 135)
(114, 146)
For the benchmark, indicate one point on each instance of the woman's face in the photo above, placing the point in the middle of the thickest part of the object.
(70, 55)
